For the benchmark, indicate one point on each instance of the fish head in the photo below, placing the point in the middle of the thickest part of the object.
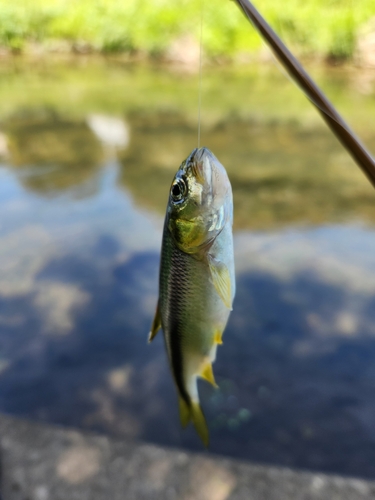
(200, 201)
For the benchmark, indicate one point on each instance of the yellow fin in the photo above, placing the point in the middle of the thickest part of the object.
(185, 412)
(208, 374)
(199, 422)
(218, 338)
(156, 324)
(221, 280)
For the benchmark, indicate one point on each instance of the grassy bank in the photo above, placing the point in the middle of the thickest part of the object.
(150, 27)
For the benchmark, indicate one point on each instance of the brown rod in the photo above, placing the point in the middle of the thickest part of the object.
(333, 119)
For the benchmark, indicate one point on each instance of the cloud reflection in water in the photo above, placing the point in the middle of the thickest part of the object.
(78, 286)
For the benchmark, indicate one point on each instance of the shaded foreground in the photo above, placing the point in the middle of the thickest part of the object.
(42, 462)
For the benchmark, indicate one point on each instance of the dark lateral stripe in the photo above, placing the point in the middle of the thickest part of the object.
(178, 284)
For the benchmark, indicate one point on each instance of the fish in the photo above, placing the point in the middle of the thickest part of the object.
(196, 279)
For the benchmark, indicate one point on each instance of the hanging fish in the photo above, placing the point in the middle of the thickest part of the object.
(196, 284)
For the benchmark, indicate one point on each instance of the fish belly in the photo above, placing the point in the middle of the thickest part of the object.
(191, 312)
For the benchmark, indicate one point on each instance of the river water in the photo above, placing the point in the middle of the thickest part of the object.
(88, 150)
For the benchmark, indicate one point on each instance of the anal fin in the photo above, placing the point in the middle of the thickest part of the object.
(156, 324)
(208, 374)
(218, 337)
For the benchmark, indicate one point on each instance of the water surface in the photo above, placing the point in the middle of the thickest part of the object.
(88, 152)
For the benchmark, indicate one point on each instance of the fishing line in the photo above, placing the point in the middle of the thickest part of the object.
(200, 75)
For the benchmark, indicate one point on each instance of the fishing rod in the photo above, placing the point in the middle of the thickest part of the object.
(336, 123)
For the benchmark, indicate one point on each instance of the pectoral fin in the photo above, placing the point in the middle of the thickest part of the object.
(156, 324)
(221, 280)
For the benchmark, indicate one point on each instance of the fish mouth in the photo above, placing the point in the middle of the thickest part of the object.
(196, 162)
(199, 154)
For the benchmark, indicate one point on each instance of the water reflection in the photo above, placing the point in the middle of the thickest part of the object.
(52, 154)
(295, 373)
(79, 260)
(280, 173)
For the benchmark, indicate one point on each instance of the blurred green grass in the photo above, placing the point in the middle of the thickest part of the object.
(327, 28)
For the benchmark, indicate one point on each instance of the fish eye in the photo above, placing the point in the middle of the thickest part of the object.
(178, 190)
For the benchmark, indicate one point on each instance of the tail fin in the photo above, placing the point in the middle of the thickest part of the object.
(194, 412)
(199, 422)
(185, 412)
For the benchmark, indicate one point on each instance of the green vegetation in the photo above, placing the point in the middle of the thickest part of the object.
(257, 93)
(327, 28)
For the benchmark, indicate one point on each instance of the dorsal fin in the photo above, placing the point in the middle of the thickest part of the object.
(156, 324)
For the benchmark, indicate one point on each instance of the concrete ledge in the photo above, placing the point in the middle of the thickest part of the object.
(40, 462)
